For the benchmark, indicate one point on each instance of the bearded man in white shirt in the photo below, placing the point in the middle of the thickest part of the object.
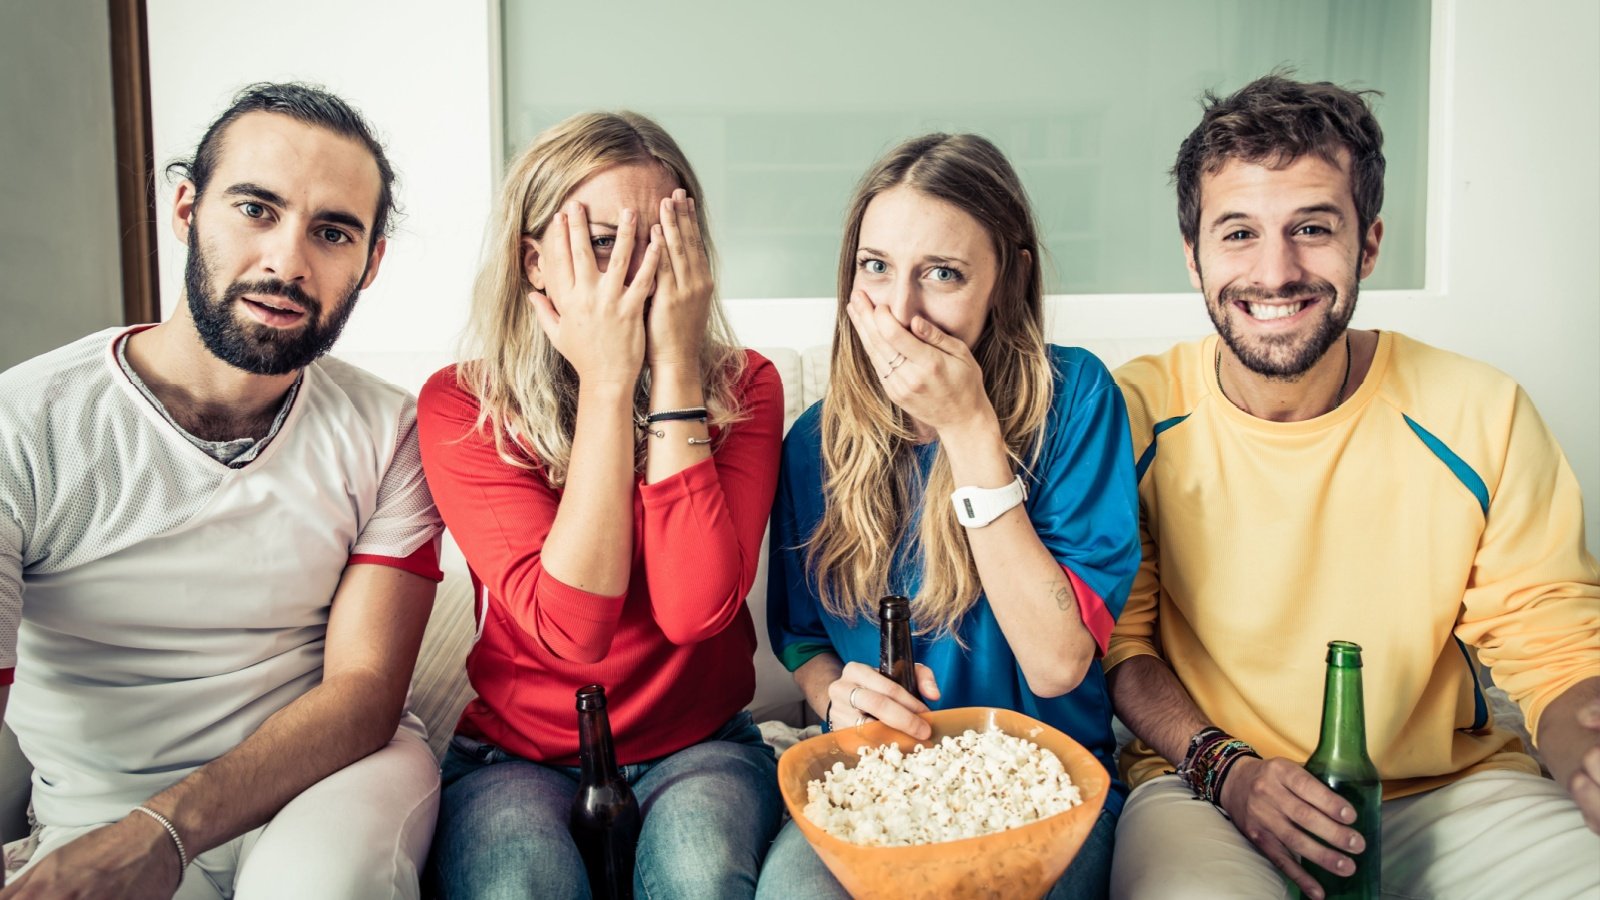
(218, 552)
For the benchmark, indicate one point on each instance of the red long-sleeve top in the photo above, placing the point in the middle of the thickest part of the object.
(674, 652)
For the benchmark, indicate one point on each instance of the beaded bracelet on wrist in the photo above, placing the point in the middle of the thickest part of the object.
(172, 832)
(1212, 754)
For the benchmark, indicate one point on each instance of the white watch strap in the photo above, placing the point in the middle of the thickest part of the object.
(977, 507)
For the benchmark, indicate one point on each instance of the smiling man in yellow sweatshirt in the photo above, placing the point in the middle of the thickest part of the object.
(1301, 482)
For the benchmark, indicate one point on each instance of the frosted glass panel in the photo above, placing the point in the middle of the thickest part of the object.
(781, 107)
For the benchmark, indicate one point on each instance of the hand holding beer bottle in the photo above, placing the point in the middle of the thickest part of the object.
(1341, 762)
(894, 692)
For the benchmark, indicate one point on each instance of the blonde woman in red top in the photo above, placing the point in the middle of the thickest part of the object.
(608, 543)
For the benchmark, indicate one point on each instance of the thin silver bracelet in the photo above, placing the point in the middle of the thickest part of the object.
(172, 832)
(693, 441)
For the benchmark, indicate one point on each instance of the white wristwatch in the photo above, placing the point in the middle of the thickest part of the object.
(977, 507)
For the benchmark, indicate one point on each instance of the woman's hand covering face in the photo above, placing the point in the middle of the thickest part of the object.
(594, 319)
(676, 320)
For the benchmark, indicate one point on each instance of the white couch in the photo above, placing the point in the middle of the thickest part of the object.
(439, 686)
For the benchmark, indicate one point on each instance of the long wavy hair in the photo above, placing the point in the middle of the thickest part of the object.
(873, 488)
(527, 391)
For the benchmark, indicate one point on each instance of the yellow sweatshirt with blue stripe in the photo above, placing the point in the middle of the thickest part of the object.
(1431, 518)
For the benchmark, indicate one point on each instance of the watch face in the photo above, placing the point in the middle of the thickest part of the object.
(967, 502)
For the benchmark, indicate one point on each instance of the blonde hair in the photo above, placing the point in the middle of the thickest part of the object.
(527, 392)
(872, 484)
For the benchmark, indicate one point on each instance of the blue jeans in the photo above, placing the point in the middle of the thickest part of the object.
(794, 870)
(709, 810)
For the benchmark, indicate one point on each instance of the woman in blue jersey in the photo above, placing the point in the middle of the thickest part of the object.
(959, 460)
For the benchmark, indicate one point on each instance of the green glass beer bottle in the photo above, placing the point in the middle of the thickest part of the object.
(1341, 762)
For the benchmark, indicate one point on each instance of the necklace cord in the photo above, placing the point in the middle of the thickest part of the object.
(1338, 399)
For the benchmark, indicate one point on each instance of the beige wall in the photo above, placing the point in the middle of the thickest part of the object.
(60, 269)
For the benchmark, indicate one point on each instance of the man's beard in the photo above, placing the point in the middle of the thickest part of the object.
(252, 346)
(1277, 357)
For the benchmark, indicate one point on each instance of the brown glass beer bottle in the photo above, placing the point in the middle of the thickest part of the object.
(895, 660)
(605, 816)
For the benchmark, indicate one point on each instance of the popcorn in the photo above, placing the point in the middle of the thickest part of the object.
(964, 786)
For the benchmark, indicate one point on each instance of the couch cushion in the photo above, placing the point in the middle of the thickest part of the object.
(787, 361)
(814, 363)
(439, 686)
(15, 786)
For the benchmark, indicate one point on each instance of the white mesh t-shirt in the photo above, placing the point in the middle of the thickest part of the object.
(157, 606)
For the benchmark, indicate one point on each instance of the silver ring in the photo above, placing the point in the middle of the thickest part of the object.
(852, 698)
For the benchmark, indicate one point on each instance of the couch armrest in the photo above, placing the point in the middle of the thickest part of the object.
(15, 786)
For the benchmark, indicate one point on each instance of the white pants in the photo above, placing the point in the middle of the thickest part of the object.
(1497, 834)
(361, 832)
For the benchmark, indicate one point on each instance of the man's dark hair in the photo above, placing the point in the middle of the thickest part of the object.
(1274, 121)
(306, 103)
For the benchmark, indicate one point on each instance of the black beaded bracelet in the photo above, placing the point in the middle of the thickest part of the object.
(677, 415)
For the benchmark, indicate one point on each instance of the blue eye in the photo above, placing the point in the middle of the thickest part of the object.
(873, 266)
(603, 241)
(944, 274)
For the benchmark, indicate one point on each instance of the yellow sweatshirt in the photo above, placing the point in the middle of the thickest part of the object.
(1430, 513)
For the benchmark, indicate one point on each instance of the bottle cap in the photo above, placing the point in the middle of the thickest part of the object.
(894, 607)
(591, 696)
(1345, 654)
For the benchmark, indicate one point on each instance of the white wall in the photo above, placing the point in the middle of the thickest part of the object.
(1521, 271)
(60, 264)
(1517, 102)
(420, 71)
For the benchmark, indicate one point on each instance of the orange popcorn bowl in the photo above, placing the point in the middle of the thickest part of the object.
(1018, 862)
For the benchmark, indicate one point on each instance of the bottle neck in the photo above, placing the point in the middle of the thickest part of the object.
(1344, 715)
(894, 641)
(596, 755)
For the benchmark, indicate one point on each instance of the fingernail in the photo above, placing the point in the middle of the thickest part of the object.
(1355, 842)
(627, 215)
